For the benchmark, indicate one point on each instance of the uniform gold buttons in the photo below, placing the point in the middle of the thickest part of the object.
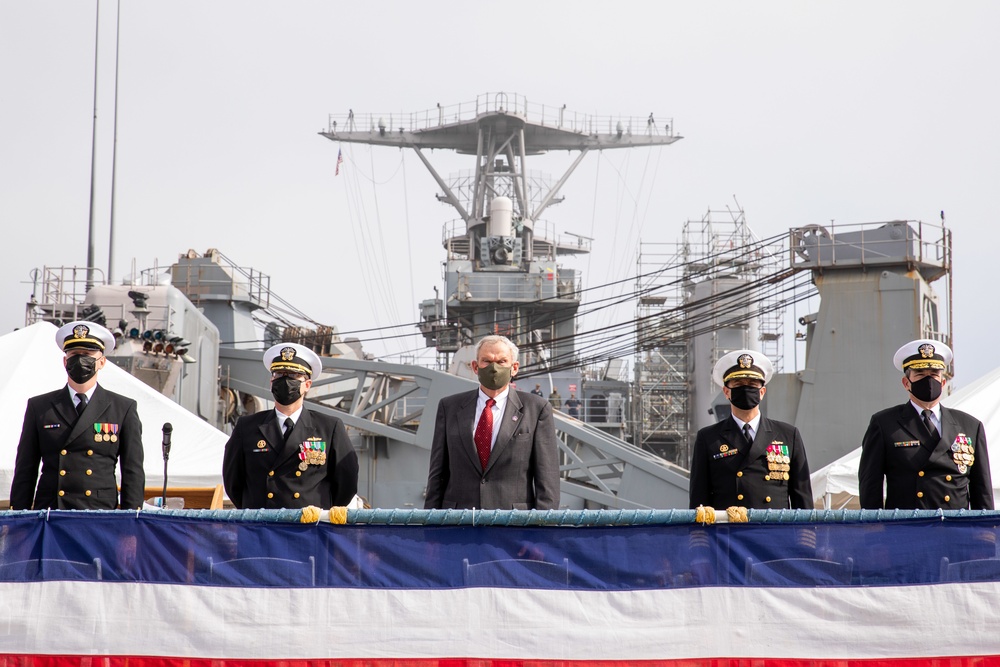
(90, 452)
(62, 493)
(739, 497)
(767, 499)
(920, 494)
(920, 474)
(947, 478)
(739, 474)
(767, 478)
(270, 474)
(270, 495)
(90, 472)
(87, 492)
(947, 498)
(296, 495)
(62, 472)
(298, 473)
(63, 452)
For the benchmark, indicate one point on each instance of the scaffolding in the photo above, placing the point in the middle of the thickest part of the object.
(699, 299)
(660, 393)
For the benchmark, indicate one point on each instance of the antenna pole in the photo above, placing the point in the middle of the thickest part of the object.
(114, 156)
(93, 160)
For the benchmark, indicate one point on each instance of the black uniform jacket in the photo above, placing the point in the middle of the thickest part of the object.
(262, 471)
(921, 473)
(523, 468)
(78, 471)
(720, 478)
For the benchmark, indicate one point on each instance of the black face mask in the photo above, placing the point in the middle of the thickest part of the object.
(744, 397)
(926, 389)
(81, 368)
(286, 390)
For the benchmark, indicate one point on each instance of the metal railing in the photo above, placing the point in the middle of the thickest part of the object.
(873, 243)
(58, 292)
(196, 282)
(510, 103)
(454, 237)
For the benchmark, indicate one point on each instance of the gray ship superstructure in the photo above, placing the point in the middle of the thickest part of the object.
(722, 288)
(502, 269)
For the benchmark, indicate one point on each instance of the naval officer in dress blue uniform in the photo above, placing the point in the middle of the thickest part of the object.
(748, 460)
(80, 433)
(290, 457)
(930, 457)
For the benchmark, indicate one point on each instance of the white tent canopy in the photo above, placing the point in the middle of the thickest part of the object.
(837, 483)
(34, 363)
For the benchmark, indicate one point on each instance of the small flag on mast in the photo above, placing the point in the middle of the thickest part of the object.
(340, 160)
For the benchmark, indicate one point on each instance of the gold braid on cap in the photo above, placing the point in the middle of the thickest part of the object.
(295, 367)
(704, 515)
(919, 364)
(737, 514)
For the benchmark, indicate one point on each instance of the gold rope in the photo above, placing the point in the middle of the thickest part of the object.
(737, 514)
(310, 514)
(704, 515)
(338, 515)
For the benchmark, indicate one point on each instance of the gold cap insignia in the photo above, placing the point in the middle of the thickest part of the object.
(81, 331)
(287, 353)
(926, 350)
(745, 361)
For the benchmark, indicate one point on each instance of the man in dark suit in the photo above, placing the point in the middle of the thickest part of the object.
(494, 448)
(748, 460)
(290, 457)
(79, 433)
(930, 456)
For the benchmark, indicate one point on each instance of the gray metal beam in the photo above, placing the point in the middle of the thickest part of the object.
(555, 189)
(449, 195)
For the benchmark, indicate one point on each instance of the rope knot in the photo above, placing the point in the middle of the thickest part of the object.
(704, 515)
(737, 514)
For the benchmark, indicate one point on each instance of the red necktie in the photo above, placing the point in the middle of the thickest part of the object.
(484, 433)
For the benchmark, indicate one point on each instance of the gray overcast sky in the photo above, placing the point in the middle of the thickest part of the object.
(805, 112)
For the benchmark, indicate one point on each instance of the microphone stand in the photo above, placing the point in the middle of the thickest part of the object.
(167, 430)
(163, 499)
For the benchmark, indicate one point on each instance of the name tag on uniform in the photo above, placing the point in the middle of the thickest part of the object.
(907, 443)
(52, 426)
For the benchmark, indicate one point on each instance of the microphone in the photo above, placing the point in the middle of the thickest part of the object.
(167, 430)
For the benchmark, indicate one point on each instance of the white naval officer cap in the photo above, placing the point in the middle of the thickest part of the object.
(742, 364)
(922, 353)
(83, 335)
(294, 358)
